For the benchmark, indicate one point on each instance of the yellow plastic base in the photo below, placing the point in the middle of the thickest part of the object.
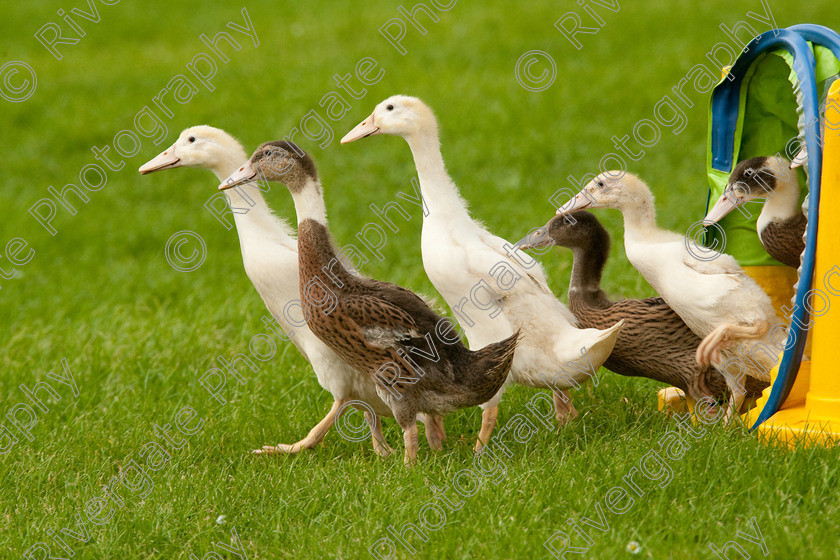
(794, 423)
(797, 392)
(675, 401)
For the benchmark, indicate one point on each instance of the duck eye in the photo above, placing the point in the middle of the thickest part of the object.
(390, 107)
(269, 153)
(192, 139)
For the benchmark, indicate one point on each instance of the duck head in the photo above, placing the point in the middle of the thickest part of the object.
(278, 161)
(611, 189)
(198, 146)
(399, 115)
(580, 230)
(751, 179)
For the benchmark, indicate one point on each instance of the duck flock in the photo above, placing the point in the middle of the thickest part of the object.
(382, 349)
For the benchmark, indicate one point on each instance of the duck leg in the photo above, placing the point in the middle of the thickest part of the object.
(410, 438)
(435, 433)
(313, 438)
(709, 349)
(380, 445)
(441, 430)
(405, 414)
(564, 409)
(696, 387)
(736, 388)
(488, 423)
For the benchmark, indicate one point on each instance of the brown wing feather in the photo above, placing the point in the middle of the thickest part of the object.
(424, 316)
(654, 343)
(368, 313)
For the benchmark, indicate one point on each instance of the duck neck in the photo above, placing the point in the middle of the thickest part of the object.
(783, 204)
(230, 160)
(309, 201)
(440, 194)
(585, 283)
(318, 262)
(639, 217)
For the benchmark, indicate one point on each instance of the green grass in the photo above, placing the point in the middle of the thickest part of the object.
(137, 334)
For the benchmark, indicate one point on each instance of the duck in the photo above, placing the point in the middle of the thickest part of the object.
(270, 258)
(381, 329)
(707, 289)
(781, 223)
(503, 288)
(655, 342)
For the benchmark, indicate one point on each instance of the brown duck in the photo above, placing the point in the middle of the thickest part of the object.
(781, 223)
(655, 342)
(415, 356)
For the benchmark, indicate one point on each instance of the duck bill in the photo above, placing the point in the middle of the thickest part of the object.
(579, 202)
(725, 204)
(363, 130)
(165, 160)
(243, 175)
(536, 239)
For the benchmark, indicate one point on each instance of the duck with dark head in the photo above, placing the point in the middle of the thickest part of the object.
(414, 355)
(655, 342)
(781, 224)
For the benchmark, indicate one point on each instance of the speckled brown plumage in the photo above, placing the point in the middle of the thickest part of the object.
(655, 342)
(415, 356)
(372, 324)
(782, 239)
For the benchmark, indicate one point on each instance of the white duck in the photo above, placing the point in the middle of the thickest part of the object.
(270, 257)
(493, 288)
(714, 297)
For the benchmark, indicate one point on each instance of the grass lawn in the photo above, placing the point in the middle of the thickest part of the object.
(137, 334)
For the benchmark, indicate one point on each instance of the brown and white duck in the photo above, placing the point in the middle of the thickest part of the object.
(781, 223)
(418, 361)
(655, 342)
